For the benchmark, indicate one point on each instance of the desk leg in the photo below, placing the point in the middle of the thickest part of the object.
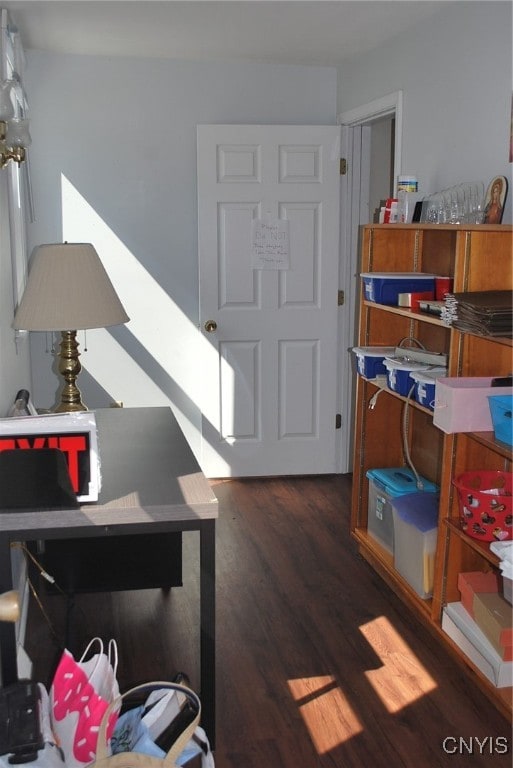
(207, 622)
(8, 663)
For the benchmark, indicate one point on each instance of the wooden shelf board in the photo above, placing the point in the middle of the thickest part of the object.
(482, 547)
(412, 314)
(489, 441)
(425, 317)
(502, 698)
(447, 227)
(381, 385)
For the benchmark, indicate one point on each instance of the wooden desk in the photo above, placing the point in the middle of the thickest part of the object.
(151, 483)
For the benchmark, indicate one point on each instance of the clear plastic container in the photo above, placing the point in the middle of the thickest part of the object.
(415, 534)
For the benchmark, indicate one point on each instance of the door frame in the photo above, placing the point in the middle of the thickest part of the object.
(354, 201)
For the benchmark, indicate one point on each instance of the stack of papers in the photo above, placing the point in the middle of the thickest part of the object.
(504, 551)
(486, 313)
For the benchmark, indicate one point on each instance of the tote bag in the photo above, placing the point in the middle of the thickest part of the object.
(138, 759)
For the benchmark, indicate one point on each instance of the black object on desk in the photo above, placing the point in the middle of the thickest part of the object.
(20, 725)
(35, 478)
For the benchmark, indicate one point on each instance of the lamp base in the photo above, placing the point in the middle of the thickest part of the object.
(69, 368)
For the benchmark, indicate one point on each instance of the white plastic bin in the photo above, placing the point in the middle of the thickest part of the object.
(415, 534)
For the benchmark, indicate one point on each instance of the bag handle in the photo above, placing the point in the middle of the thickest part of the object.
(133, 759)
(96, 658)
(89, 645)
(111, 655)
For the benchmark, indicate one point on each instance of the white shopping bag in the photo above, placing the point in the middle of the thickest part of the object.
(80, 693)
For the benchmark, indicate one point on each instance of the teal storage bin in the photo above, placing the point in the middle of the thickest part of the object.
(501, 407)
(384, 485)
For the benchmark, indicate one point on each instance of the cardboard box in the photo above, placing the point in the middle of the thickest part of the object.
(494, 616)
(476, 581)
(459, 626)
(461, 403)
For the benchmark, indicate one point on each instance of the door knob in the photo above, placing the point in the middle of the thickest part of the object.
(210, 326)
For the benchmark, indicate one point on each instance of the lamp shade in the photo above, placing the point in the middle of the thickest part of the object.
(68, 289)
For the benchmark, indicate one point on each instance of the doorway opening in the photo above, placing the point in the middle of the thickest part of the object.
(381, 166)
(372, 143)
(375, 132)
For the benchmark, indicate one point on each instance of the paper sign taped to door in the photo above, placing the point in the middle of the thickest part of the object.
(270, 243)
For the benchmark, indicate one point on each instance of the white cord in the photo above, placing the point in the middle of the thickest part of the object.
(420, 484)
(381, 382)
(374, 399)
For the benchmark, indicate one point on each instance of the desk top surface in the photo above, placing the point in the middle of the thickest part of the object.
(149, 476)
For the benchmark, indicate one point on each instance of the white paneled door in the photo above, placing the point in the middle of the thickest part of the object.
(268, 298)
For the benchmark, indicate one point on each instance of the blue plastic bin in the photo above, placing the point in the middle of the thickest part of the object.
(425, 384)
(385, 287)
(501, 407)
(369, 360)
(399, 375)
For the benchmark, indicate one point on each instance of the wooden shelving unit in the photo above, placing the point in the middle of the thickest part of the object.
(478, 258)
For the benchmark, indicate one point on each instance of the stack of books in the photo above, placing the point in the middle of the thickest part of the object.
(486, 313)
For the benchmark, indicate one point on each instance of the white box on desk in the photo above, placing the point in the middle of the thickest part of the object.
(461, 403)
(73, 433)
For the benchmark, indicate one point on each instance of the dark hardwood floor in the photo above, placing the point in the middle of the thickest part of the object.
(318, 663)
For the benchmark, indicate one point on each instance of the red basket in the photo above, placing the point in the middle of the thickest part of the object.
(485, 502)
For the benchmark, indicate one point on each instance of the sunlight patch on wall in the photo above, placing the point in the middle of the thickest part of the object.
(116, 371)
(325, 710)
(402, 679)
(160, 327)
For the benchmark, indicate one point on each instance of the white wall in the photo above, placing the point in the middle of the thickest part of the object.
(15, 361)
(114, 163)
(455, 71)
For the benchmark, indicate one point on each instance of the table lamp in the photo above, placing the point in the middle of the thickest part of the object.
(68, 288)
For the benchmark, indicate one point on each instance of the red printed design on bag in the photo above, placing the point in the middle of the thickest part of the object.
(72, 692)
